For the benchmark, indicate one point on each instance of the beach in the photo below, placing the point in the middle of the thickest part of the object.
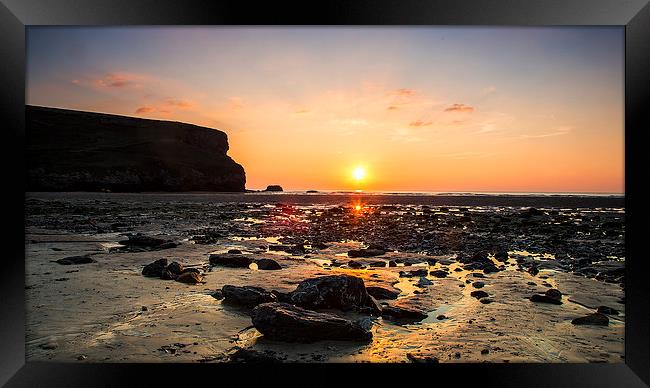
(453, 278)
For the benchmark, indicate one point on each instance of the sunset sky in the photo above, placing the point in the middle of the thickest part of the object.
(402, 109)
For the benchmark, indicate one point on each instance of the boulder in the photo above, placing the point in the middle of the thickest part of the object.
(285, 322)
(230, 260)
(368, 252)
(551, 296)
(355, 265)
(142, 241)
(607, 310)
(268, 264)
(175, 268)
(382, 292)
(155, 269)
(74, 260)
(403, 313)
(439, 273)
(596, 319)
(190, 278)
(479, 294)
(276, 188)
(342, 292)
(247, 296)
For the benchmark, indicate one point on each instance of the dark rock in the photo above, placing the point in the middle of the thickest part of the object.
(247, 296)
(195, 270)
(423, 282)
(155, 269)
(285, 322)
(398, 312)
(282, 296)
(218, 295)
(254, 356)
(168, 275)
(142, 241)
(479, 294)
(273, 188)
(554, 294)
(478, 284)
(234, 252)
(501, 255)
(268, 264)
(382, 293)
(485, 351)
(410, 274)
(418, 359)
(544, 299)
(118, 153)
(377, 264)
(355, 265)
(368, 252)
(230, 260)
(190, 278)
(343, 292)
(439, 273)
(392, 263)
(597, 319)
(607, 310)
(486, 300)
(74, 260)
(175, 268)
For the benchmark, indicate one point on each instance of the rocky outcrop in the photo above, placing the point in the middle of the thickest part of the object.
(71, 150)
(285, 322)
(342, 292)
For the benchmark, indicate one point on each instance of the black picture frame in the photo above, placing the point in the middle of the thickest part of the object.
(15, 15)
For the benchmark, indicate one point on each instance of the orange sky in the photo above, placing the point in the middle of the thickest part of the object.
(421, 109)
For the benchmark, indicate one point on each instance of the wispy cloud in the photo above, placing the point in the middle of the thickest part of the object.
(144, 110)
(559, 131)
(459, 108)
(118, 80)
(419, 123)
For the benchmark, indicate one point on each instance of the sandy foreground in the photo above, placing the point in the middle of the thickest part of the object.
(106, 311)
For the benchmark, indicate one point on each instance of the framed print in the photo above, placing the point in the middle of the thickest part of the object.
(346, 189)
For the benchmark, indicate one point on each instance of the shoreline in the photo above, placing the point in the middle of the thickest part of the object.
(509, 200)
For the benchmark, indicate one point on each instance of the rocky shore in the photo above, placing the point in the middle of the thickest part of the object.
(183, 280)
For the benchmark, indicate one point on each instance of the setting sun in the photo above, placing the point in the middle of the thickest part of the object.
(359, 173)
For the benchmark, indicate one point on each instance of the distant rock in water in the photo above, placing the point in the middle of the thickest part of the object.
(71, 150)
(273, 188)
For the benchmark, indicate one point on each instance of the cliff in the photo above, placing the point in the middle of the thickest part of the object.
(71, 150)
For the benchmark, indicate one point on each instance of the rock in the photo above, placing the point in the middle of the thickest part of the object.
(485, 351)
(486, 300)
(81, 357)
(597, 319)
(230, 260)
(276, 188)
(607, 310)
(175, 268)
(119, 153)
(479, 294)
(439, 273)
(418, 359)
(254, 356)
(342, 292)
(410, 274)
(392, 263)
(382, 293)
(144, 308)
(142, 241)
(544, 299)
(190, 278)
(441, 317)
(49, 345)
(234, 251)
(368, 252)
(218, 295)
(195, 270)
(247, 296)
(355, 264)
(398, 312)
(478, 284)
(155, 269)
(423, 282)
(379, 263)
(74, 260)
(551, 296)
(168, 245)
(501, 255)
(168, 275)
(268, 264)
(285, 322)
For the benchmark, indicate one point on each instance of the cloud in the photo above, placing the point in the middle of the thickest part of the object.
(489, 90)
(144, 109)
(419, 123)
(559, 131)
(301, 111)
(460, 108)
(392, 107)
(118, 80)
(178, 103)
(404, 92)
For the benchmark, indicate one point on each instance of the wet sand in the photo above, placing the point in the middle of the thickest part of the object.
(106, 311)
